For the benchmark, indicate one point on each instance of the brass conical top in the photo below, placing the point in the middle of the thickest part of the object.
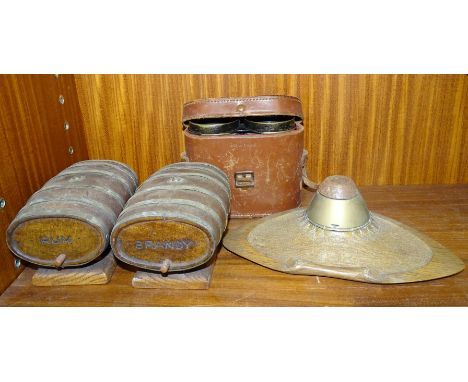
(338, 205)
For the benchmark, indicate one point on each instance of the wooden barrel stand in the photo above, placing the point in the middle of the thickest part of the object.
(98, 272)
(198, 278)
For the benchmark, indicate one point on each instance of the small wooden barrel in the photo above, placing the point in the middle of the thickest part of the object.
(175, 220)
(68, 221)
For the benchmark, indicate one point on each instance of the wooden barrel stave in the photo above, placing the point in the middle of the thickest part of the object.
(223, 203)
(121, 166)
(91, 184)
(181, 195)
(77, 174)
(175, 178)
(94, 197)
(107, 166)
(206, 167)
(196, 172)
(200, 185)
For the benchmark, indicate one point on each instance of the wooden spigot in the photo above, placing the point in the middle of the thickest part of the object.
(59, 260)
(166, 264)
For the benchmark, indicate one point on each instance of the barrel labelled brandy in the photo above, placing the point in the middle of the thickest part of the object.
(68, 221)
(175, 220)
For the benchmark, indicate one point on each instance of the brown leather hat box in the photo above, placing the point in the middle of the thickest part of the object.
(257, 141)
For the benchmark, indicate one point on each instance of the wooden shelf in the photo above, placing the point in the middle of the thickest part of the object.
(441, 212)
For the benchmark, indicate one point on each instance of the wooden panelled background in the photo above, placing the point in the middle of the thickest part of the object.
(33, 144)
(378, 129)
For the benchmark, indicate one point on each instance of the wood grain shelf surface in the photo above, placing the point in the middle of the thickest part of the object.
(441, 212)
